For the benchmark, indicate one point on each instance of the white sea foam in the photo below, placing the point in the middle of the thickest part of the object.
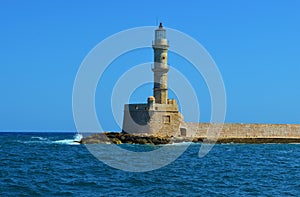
(39, 138)
(44, 140)
(34, 142)
(74, 141)
(179, 144)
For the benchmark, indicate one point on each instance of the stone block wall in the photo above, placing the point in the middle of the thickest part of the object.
(136, 118)
(165, 123)
(154, 119)
(239, 130)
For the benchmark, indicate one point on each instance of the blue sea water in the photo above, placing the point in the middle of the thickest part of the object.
(51, 164)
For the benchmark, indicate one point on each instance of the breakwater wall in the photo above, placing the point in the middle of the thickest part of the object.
(207, 133)
(239, 130)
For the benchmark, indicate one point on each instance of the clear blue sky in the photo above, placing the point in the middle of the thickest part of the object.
(255, 44)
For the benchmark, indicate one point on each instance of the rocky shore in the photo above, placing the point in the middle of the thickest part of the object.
(123, 138)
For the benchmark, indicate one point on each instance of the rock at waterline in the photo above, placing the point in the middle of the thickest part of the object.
(122, 138)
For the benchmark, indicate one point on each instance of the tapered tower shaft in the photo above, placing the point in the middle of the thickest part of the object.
(160, 47)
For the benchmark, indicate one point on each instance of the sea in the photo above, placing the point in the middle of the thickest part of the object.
(52, 164)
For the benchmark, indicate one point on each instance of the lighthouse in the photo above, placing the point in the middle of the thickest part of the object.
(160, 69)
(160, 115)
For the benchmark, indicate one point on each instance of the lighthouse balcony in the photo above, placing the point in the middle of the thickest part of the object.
(160, 44)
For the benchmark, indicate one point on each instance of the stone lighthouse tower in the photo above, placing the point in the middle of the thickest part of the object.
(160, 115)
(160, 47)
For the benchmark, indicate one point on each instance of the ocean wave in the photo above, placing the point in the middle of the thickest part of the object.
(34, 142)
(44, 140)
(179, 144)
(66, 141)
(39, 138)
(74, 141)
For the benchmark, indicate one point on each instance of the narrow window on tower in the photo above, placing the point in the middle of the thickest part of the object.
(166, 119)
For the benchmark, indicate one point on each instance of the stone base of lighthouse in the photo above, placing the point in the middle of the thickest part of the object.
(153, 118)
